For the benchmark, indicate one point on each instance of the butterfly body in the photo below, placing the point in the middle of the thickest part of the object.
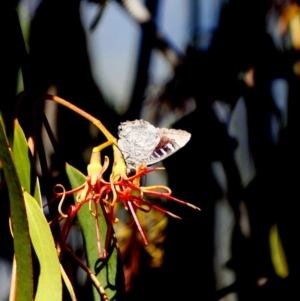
(141, 142)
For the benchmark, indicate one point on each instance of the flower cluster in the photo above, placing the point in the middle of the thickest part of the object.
(120, 189)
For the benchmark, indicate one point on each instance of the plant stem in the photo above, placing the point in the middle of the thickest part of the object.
(86, 115)
(92, 276)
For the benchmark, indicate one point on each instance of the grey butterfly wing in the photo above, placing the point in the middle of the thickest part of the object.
(137, 140)
(181, 137)
(171, 140)
(140, 142)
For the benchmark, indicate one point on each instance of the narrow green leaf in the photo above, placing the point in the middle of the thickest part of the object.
(277, 253)
(68, 284)
(49, 283)
(20, 154)
(24, 163)
(22, 247)
(37, 192)
(108, 272)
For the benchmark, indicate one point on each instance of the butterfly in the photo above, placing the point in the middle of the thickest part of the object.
(141, 142)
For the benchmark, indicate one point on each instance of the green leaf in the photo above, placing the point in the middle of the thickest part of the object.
(277, 253)
(108, 272)
(22, 247)
(49, 285)
(24, 163)
(68, 284)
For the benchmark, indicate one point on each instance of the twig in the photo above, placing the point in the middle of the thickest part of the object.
(92, 276)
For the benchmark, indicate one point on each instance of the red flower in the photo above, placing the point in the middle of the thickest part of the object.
(119, 189)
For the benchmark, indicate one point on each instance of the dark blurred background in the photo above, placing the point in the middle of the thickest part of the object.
(228, 72)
